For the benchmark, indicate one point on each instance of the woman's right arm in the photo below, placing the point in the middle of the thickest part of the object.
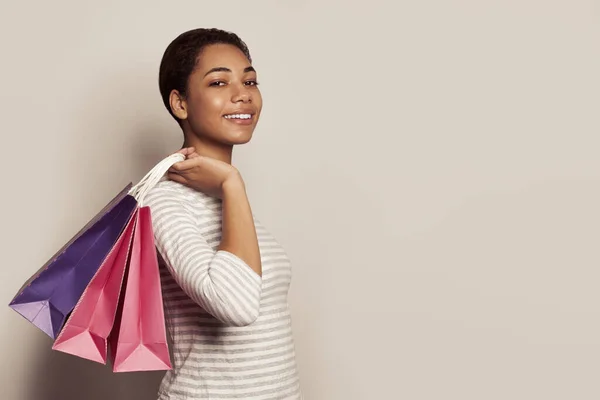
(226, 282)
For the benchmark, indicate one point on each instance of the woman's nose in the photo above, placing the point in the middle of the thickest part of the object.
(242, 94)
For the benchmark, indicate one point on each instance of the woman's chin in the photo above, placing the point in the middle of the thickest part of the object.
(235, 138)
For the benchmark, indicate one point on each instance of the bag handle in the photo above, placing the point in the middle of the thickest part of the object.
(151, 179)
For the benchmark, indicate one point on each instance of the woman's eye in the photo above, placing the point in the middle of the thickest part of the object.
(217, 83)
(252, 83)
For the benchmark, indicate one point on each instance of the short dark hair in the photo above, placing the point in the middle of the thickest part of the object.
(180, 58)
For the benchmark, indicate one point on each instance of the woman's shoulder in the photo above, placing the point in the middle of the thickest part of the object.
(168, 188)
(171, 192)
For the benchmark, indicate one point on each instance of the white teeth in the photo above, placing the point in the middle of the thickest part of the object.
(238, 116)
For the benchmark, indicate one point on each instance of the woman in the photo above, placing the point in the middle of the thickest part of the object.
(225, 278)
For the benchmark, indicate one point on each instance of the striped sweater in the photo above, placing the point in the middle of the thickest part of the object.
(230, 328)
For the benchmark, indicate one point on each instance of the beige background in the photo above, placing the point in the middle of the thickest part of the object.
(431, 166)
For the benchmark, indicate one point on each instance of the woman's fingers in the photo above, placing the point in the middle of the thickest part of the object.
(186, 151)
(186, 164)
(176, 178)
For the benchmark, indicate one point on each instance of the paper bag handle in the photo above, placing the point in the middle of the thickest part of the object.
(145, 185)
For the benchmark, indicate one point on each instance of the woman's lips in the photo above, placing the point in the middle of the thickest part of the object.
(240, 119)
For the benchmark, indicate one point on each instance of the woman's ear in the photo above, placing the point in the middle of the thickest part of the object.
(178, 105)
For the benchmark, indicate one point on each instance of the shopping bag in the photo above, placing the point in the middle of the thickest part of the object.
(47, 298)
(100, 307)
(85, 281)
(132, 260)
(139, 340)
(86, 331)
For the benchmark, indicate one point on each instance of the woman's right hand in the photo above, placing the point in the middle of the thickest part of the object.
(204, 174)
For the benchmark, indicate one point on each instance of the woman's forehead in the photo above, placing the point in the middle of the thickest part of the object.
(222, 56)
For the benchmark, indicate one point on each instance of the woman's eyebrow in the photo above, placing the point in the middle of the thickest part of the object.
(225, 69)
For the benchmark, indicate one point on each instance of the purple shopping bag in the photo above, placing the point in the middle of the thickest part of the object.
(48, 297)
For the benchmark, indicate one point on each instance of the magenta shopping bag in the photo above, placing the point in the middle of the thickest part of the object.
(138, 340)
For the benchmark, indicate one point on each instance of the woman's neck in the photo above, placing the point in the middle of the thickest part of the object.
(208, 148)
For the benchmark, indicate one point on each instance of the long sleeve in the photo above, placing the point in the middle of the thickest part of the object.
(218, 281)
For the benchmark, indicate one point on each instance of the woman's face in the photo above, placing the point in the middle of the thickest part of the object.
(223, 102)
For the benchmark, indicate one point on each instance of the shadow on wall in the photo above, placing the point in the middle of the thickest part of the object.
(118, 135)
(61, 376)
(121, 131)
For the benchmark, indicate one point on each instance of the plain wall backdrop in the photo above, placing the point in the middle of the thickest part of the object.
(432, 168)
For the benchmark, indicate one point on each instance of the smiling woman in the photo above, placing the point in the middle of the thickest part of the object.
(225, 278)
(221, 89)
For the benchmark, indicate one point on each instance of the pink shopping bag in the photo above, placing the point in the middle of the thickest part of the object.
(89, 325)
(139, 341)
